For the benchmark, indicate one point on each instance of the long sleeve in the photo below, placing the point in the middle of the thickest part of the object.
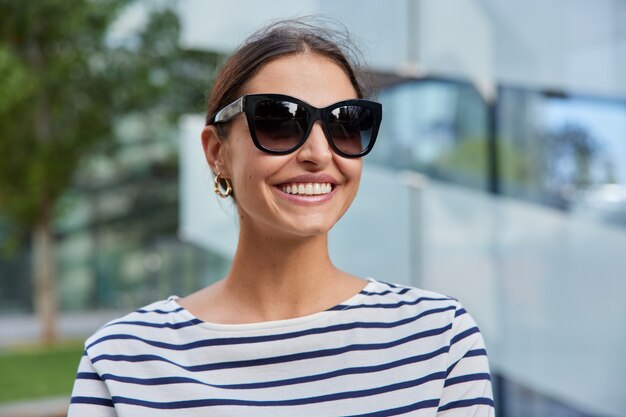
(90, 396)
(467, 388)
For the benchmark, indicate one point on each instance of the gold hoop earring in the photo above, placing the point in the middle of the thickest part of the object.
(217, 186)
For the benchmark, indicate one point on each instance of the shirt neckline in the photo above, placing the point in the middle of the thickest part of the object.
(275, 324)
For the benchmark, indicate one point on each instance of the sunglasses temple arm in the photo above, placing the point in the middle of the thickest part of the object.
(228, 112)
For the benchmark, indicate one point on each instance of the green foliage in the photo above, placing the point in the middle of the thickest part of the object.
(469, 156)
(516, 166)
(16, 83)
(64, 87)
(38, 372)
(71, 86)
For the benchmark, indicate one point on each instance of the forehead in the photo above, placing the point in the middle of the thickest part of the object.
(311, 77)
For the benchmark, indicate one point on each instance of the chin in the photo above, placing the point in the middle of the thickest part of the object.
(312, 231)
(309, 230)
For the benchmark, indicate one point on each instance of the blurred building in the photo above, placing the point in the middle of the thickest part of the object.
(499, 178)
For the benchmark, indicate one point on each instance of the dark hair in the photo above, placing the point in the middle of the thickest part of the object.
(286, 37)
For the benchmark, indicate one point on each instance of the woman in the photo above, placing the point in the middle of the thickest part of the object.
(286, 333)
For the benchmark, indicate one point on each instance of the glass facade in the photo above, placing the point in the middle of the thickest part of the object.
(15, 282)
(436, 127)
(566, 151)
(562, 151)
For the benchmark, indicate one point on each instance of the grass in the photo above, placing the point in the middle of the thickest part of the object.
(31, 372)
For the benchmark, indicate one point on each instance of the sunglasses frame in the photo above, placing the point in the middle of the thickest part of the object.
(246, 104)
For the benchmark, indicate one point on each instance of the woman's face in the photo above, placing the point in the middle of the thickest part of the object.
(264, 183)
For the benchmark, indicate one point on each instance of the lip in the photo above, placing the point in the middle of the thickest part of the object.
(320, 178)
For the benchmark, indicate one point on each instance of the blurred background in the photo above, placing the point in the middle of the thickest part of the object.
(499, 178)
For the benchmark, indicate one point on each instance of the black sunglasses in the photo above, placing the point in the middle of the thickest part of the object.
(280, 124)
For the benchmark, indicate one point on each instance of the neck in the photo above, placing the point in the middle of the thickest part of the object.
(282, 276)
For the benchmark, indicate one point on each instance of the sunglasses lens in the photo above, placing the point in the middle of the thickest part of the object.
(351, 128)
(279, 125)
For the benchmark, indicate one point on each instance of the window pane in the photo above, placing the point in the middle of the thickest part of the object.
(435, 127)
(565, 152)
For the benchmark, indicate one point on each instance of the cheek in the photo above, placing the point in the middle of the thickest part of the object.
(251, 166)
(250, 174)
(352, 169)
(250, 171)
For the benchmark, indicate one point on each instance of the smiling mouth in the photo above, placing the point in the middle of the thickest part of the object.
(309, 188)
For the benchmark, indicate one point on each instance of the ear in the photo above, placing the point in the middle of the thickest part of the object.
(215, 151)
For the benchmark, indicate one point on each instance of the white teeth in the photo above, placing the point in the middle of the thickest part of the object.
(307, 189)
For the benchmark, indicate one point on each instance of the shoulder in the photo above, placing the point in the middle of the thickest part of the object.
(394, 295)
(143, 326)
(396, 289)
(441, 311)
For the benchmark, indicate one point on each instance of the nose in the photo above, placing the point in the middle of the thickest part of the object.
(316, 148)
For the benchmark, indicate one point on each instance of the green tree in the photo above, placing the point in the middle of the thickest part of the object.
(64, 85)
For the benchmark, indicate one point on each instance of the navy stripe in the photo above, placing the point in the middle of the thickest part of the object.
(459, 312)
(276, 403)
(401, 292)
(389, 284)
(271, 338)
(166, 380)
(464, 334)
(92, 400)
(158, 311)
(88, 375)
(175, 326)
(468, 354)
(401, 410)
(467, 378)
(475, 352)
(277, 359)
(467, 403)
(343, 307)
(285, 382)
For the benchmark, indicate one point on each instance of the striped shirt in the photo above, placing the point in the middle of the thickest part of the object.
(390, 350)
